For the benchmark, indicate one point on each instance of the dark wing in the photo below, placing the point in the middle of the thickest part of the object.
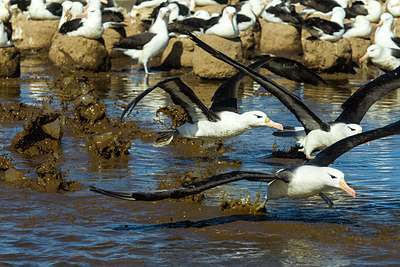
(206, 24)
(242, 18)
(189, 189)
(348, 26)
(320, 5)
(356, 106)
(395, 52)
(396, 40)
(136, 41)
(54, 8)
(304, 115)
(331, 153)
(225, 98)
(71, 26)
(181, 95)
(292, 70)
(111, 16)
(190, 24)
(287, 16)
(328, 27)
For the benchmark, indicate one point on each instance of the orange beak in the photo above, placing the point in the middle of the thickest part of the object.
(379, 24)
(82, 15)
(231, 17)
(364, 57)
(346, 188)
(272, 124)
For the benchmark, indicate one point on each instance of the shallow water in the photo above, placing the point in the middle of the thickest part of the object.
(86, 228)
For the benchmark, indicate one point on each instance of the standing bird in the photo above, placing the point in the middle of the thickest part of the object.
(384, 35)
(384, 58)
(302, 181)
(38, 9)
(319, 134)
(146, 45)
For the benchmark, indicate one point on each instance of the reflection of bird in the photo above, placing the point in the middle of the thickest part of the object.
(384, 58)
(319, 134)
(302, 181)
(221, 120)
(146, 45)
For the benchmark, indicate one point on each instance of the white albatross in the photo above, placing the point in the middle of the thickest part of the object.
(384, 35)
(221, 120)
(38, 9)
(384, 58)
(302, 181)
(319, 134)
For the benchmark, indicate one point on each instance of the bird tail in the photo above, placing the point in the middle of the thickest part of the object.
(164, 139)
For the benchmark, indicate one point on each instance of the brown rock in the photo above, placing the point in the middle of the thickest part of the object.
(9, 62)
(178, 53)
(324, 55)
(206, 66)
(358, 47)
(279, 38)
(79, 53)
(33, 34)
(111, 37)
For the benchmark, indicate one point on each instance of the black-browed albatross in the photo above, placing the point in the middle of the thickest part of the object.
(221, 120)
(320, 134)
(146, 45)
(302, 181)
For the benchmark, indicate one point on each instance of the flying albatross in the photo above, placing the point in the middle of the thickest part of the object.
(221, 120)
(320, 134)
(302, 181)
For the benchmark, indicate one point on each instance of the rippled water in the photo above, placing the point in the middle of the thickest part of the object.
(86, 228)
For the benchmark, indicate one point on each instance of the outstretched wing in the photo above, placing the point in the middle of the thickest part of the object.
(181, 95)
(189, 189)
(307, 118)
(330, 154)
(356, 106)
(292, 70)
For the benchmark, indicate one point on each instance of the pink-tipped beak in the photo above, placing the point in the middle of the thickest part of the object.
(104, 1)
(7, 6)
(273, 124)
(364, 57)
(231, 17)
(82, 15)
(379, 24)
(346, 188)
(394, 5)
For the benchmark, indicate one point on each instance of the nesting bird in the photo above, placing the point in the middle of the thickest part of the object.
(38, 9)
(384, 58)
(384, 35)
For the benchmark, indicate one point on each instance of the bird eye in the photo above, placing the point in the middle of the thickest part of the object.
(352, 129)
(258, 116)
(332, 176)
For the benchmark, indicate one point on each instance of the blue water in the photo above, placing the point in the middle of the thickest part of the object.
(90, 229)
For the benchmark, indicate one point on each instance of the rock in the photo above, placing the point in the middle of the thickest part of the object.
(79, 53)
(111, 37)
(33, 34)
(206, 66)
(324, 55)
(178, 53)
(9, 62)
(358, 47)
(279, 38)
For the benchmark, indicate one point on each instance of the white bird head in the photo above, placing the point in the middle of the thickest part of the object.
(259, 119)
(343, 130)
(386, 19)
(307, 181)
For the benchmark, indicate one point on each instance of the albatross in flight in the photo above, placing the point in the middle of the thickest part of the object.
(320, 134)
(221, 120)
(302, 181)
